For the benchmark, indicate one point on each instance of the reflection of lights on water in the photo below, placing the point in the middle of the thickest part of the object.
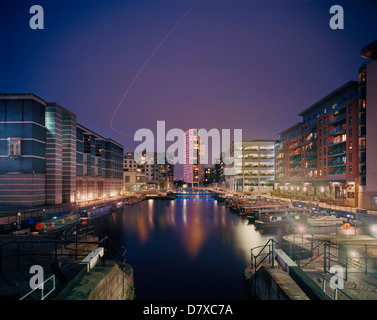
(185, 211)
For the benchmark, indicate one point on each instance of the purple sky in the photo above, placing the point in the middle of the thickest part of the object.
(249, 64)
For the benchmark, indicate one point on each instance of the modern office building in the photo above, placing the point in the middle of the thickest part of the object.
(254, 169)
(368, 128)
(99, 165)
(47, 158)
(193, 168)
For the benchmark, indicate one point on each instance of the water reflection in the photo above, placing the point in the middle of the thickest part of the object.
(191, 248)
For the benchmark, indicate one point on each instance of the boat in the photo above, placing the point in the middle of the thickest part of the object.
(281, 217)
(324, 219)
(251, 210)
(55, 224)
(221, 197)
(88, 214)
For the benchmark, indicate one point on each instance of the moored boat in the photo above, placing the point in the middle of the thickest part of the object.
(324, 219)
(281, 217)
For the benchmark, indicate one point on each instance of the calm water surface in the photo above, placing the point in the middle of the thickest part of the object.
(192, 248)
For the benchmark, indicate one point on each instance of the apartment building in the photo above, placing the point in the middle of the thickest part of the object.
(320, 154)
(148, 174)
(368, 128)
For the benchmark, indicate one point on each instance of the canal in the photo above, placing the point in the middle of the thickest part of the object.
(193, 247)
(189, 248)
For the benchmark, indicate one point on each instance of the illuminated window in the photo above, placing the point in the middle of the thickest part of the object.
(14, 147)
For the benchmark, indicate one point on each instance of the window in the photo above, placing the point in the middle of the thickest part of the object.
(320, 152)
(350, 157)
(324, 172)
(320, 162)
(324, 141)
(373, 200)
(350, 169)
(350, 121)
(350, 108)
(324, 151)
(324, 162)
(350, 145)
(324, 131)
(320, 132)
(324, 120)
(14, 147)
(320, 142)
(320, 122)
(350, 133)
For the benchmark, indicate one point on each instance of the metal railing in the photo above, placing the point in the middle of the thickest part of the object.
(336, 289)
(253, 258)
(41, 287)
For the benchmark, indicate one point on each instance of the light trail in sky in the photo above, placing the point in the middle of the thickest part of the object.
(145, 64)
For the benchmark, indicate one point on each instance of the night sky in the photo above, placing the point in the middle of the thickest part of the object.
(249, 64)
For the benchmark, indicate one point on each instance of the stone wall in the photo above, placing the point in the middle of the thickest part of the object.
(107, 282)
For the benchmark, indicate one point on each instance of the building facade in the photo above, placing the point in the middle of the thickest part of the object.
(368, 128)
(42, 156)
(254, 169)
(149, 174)
(193, 168)
(321, 161)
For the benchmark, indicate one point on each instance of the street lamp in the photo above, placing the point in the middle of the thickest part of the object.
(301, 229)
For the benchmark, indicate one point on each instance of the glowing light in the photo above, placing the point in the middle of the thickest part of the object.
(352, 253)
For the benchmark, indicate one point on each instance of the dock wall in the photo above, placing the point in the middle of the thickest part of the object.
(103, 282)
(272, 284)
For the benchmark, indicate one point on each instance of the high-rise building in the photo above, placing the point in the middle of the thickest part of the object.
(47, 158)
(368, 128)
(193, 168)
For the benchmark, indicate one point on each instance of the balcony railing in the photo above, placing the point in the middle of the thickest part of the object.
(336, 163)
(310, 127)
(295, 146)
(337, 119)
(337, 130)
(336, 141)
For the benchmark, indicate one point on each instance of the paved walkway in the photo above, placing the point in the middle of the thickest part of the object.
(359, 286)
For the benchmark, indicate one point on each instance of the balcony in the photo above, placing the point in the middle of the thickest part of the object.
(337, 130)
(311, 127)
(337, 173)
(295, 146)
(337, 119)
(336, 141)
(337, 163)
(309, 138)
(337, 152)
(295, 161)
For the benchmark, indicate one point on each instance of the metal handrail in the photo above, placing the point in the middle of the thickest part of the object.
(107, 240)
(337, 288)
(254, 263)
(41, 286)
